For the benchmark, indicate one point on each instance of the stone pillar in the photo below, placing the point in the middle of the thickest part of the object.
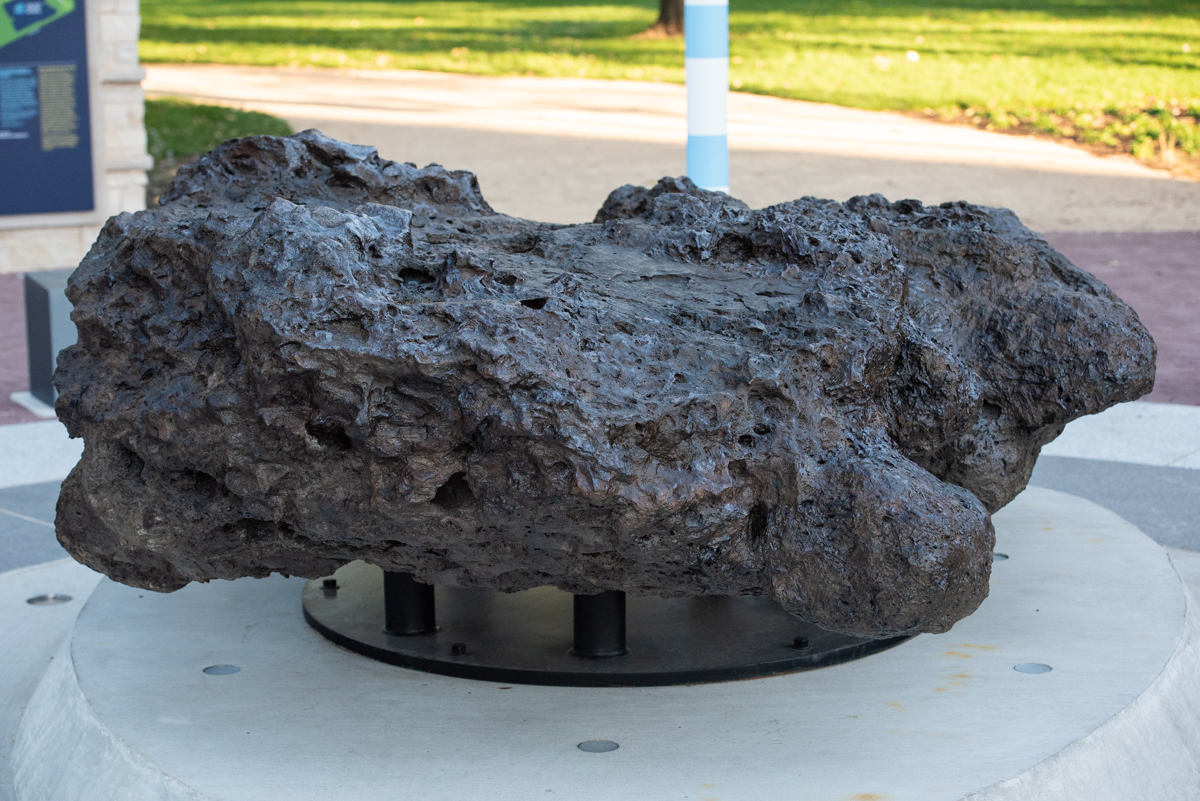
(113, 56)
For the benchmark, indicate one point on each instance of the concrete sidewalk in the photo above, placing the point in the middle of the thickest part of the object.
(552, 148)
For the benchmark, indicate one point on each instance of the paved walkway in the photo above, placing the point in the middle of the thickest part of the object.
(14, 364)
(552, 148)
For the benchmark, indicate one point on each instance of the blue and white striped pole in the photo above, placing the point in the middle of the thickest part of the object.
(706, 56)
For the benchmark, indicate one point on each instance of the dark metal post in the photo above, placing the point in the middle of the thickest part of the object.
(600, 624)
(48, 328)
(408, 605)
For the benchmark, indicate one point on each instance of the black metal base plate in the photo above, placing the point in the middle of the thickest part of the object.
(525, 637)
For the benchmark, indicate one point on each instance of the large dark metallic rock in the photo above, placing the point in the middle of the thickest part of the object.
(309, 355)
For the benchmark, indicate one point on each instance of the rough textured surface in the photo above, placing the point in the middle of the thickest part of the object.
(309, 355)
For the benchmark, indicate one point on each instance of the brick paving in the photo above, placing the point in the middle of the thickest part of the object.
(1158, 274)
(14, 367)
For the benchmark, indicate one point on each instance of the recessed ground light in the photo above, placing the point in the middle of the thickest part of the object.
(221, 670)
(53, 599)
(1032, 667)
(598, 746)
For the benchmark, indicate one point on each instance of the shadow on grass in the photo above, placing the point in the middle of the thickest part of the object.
(388, 39)
(1077, 9)
(918, 9)
(612, 42)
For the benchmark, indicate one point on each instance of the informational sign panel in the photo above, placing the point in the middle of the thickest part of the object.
(45, 132)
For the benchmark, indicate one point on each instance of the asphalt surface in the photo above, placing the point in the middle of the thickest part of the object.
(1164, 502)
(27, 526)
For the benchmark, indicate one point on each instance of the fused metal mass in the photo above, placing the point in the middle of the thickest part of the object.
(308, 355)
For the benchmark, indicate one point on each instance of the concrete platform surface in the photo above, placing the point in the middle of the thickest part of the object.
(32, 453)
(1161, 434)
(126, 712)
(553, 148)
(29, 637)
(1164, 502)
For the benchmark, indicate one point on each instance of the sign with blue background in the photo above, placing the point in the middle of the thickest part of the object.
(45, 115)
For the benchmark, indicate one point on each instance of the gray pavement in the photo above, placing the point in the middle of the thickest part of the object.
(27, 525)
(1164, 502)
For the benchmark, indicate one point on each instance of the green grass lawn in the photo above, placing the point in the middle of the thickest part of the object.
(177, 132)
(1119, 75)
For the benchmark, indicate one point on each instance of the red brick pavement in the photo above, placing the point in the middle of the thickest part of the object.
(1157, 274)
(14, 366)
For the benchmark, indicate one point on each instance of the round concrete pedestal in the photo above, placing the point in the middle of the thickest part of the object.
(127, 710)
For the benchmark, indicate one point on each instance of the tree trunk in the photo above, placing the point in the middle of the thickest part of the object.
(670, 17)
(670, 21)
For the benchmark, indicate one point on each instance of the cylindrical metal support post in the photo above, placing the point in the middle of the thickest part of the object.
(706, 61)
(600, 625)
(408, 605)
